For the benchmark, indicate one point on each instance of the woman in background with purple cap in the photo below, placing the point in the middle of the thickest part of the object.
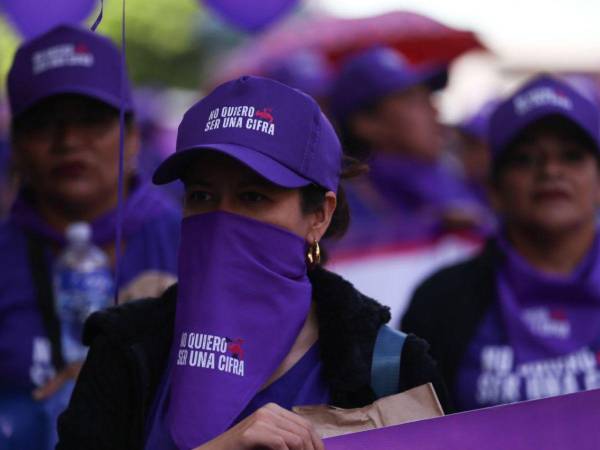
(64, 88)
(521, 321)
(255, 326)
(384, 109)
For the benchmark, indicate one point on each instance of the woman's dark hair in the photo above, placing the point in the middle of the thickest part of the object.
(312, 198)
(354, 146)
(555, 123)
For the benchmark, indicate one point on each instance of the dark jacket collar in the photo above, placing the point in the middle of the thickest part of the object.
(348, 323)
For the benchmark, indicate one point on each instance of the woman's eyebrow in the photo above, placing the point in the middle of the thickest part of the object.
(257, 182)
(195, 182)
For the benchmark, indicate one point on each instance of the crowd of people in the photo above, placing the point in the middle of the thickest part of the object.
(228, 316)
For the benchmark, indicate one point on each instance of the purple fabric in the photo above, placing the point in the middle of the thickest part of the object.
(153, 230)
(33, 17)
(402, 201)
(247, 16)
(561, 423)
(375, 73)
(306, 70)
(509, 361)
(237, 278)
(541, 97)
(67, 60)
(477, 124)
(413, 185)
(544, 314)
(277, 131)
(303, 384)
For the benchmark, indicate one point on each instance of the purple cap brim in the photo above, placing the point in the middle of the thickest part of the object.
(171, 168)
(86, 91)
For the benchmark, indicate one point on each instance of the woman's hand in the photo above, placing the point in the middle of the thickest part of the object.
(70, 372)
(270, 427)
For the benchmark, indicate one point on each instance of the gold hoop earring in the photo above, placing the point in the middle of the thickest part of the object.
(313, 257)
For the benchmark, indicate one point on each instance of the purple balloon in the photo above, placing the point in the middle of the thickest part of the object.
(33, 17)
(250, 16)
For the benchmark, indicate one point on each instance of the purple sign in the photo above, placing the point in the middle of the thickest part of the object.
(558, 423)
(34, 17)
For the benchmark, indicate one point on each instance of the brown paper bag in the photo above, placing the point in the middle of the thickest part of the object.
(415, 404)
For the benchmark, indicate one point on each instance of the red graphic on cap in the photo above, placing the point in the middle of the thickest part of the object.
(265, 114)
(558, 314)
(598, 357)
(81, 48)
(235, 348)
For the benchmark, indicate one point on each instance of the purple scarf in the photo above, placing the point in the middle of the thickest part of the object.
(243, 297)
(141, 205)
(413, 185)
(546, 315)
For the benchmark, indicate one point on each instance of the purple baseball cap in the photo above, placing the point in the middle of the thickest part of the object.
(378, 72)
(66, 60)
(476, 125)
(306, 70)
(541, 97)
(277, 131)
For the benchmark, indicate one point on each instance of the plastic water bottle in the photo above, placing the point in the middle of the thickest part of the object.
(83, 284)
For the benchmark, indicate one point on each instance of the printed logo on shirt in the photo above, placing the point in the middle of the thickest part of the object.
(542, 96)
(207, 351)
(503, 381)
(244, 117)
(61, 56)
(547, 323)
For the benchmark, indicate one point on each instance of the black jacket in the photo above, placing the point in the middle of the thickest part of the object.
(130, 344)
(447, 308)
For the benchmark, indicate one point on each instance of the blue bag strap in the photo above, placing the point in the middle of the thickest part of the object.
(385, 366)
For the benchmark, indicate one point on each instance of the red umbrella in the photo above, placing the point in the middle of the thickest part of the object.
(421, 39)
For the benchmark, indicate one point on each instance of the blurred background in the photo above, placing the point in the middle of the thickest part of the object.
(179, 49)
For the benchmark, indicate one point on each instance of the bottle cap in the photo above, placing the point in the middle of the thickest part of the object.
(79, 232)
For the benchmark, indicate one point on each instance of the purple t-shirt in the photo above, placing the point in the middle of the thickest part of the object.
(489, 375)
(25, 356)
(303, 384)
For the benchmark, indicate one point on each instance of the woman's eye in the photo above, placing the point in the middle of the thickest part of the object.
(573, 155)
(522, 160)
(253, 197)
(199, 196)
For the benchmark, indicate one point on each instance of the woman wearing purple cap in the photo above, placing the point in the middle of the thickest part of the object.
(521, 321)
(385, 112)
(255, 326)
(65, 92)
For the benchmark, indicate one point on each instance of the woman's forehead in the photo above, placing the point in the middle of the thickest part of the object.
(210, 167)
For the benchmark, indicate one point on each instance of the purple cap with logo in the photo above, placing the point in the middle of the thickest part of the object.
(378, 72)
(541, 97)
(277, 131)
(66, 60)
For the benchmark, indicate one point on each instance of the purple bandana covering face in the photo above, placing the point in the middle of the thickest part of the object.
(243, 297)
(546, 315)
